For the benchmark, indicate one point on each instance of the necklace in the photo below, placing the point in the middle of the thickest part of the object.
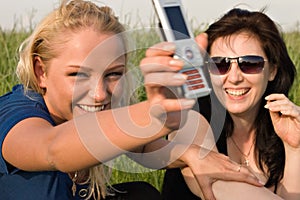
(74, 179)
(246, 162)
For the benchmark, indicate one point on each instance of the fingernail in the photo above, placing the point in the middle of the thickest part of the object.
(179, 76)
(169, 47)
(176, 62)
(267, 98)
(188, 103)
(267, 106)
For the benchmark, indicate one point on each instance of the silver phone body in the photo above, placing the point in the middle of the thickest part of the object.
(174, 28)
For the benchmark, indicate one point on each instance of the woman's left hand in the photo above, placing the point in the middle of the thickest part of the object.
(285, 116)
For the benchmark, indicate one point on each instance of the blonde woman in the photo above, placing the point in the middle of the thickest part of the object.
(43, 156)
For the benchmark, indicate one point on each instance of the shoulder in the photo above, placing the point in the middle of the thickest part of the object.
(17, 105)
(18, 102)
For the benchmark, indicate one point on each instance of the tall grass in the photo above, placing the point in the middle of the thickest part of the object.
(11, 39)
(9, 43)
(292, 40)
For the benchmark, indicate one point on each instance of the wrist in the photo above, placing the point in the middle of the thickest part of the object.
(192, 152)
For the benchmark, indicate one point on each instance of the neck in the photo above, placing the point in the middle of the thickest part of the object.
(244, 122)
(243, 128)
(244, 151)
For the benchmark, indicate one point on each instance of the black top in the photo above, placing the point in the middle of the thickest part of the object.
(174, 186)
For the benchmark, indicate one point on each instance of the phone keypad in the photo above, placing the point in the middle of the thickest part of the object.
(195, 85)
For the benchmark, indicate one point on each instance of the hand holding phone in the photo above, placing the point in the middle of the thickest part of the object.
(174, 28)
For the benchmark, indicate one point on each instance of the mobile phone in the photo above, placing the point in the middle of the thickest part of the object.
(174, 28)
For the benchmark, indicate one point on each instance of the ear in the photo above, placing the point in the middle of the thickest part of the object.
(273, 72)
(39, 70)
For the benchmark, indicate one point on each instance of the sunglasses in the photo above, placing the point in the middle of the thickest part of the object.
(248, 64)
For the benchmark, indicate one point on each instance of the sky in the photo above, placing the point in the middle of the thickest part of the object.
(285, 13)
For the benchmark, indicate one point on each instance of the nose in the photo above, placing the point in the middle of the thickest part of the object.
(98, 91)
(235, 73)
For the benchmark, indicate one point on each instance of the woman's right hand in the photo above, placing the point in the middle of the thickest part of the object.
(160, 72)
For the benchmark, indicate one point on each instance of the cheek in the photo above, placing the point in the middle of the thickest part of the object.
(116, 88)
(262, 84)
(217, 84)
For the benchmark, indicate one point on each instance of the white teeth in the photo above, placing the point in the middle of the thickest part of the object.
(237, 92)
(92, 108)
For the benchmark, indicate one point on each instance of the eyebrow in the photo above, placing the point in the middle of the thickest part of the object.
(89, 69)
(80, 67)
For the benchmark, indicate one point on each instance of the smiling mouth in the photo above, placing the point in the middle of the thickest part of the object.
(92, 108)
(237, 93)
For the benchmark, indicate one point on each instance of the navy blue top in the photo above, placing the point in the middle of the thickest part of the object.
(16, 184)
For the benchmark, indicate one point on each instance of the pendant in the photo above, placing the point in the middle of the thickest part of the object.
(247, 162)
(74, 183)
(74, 189)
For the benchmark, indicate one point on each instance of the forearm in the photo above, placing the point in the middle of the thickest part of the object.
(173, 153)
(289, 187)
(99, 137)
(160, 154)
(228, 190)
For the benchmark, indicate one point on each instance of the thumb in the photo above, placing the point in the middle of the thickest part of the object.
(202, 40)
(275, 116)
(208, 193)
(206, 188)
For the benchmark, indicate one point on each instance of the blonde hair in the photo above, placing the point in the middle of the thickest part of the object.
(47, 41)
(50, 35)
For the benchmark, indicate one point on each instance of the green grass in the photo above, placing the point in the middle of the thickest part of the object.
(292, 40)
(9, 43)
(154, 177)
(10, 40)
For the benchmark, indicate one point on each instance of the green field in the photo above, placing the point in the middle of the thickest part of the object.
(10, 40)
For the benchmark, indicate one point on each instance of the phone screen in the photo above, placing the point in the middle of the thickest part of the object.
(177, 23)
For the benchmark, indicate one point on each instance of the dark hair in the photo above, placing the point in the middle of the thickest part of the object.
(268, 146)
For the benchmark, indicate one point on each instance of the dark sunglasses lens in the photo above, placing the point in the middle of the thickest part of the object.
(251, 64)
(219, 66)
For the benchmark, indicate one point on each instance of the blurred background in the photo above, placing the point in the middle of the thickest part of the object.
(138, 12)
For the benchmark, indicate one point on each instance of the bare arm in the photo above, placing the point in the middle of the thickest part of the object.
(227, 182)
(33, 144)
(285, 116)
(201, 166)
(236, 182)
(288, 188)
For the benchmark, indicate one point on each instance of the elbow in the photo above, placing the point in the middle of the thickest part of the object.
(53, 158)
(57, 157)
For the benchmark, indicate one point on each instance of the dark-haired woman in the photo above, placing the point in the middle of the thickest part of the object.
(251, 74)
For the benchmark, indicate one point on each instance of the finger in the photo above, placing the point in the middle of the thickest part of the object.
(161, 49)
(160, 63)
(170, 105)
(273, 97)
(164, 79)
(287, 110)
(284, 106)
(241, 173)
(208, 193)
(237, 172)
(202, 40)
(206, 188)
(275, 116)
